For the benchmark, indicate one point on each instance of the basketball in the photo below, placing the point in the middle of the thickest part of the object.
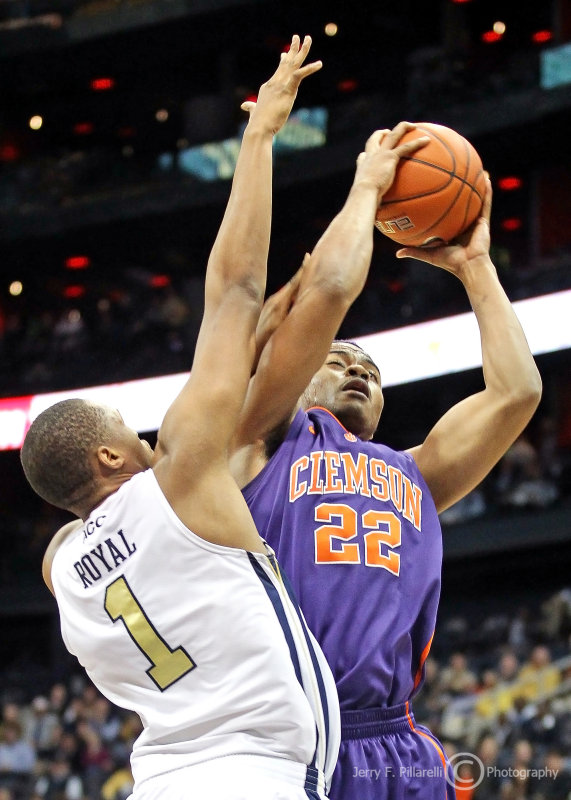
(437, 192)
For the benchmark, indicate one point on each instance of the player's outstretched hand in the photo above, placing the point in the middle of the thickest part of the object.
(470, 248)
(376, 165)
(276, 97)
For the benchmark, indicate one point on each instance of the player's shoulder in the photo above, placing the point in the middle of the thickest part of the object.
(54, 545)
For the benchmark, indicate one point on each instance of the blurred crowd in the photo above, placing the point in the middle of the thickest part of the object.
(498, 690)
(534, 474)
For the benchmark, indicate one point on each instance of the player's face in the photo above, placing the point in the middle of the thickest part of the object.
(137, 452)
(349, 385)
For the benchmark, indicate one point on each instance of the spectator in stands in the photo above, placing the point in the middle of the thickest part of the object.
(518, 783)
(16, 754)
(556, 615)
(58, 697)
(518, 637)
(456, 679)
(488, 753)
(496, 696)
(429, 702)
(17, 758)
(59, 782)
(42, 727)
(96, 763)
(521, 483)
(541, 728)
(11, 712)
(119, 784)
(556, 784)
(104, 719)
(538, 675)
(68, 749)
(508, 665)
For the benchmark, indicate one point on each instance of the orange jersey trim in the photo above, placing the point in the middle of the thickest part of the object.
(320, 408)
(430, 739)
(423, 658)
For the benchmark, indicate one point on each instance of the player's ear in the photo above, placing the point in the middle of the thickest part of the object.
(110, 457)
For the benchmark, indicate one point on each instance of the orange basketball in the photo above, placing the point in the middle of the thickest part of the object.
(437, 192)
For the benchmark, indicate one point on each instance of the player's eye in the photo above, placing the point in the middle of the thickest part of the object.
(336, 364)
(374, 376)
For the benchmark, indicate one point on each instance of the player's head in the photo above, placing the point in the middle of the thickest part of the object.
(349, 385)
(74, 447)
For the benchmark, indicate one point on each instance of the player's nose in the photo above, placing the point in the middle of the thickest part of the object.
(358, 371)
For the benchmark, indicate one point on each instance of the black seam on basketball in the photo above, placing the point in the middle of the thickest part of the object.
(444, 213)
(427, 194)
(443, 143)
(452, 174)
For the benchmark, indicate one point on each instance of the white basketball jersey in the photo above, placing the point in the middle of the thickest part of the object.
(204, 642)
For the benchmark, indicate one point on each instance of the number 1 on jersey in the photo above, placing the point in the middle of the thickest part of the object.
(167, 665)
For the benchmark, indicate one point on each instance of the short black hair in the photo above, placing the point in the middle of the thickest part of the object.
(55, 453)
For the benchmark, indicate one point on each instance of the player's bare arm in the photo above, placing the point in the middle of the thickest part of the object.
(331, 278)
(65, 531)
(471, 438)
(191, 457)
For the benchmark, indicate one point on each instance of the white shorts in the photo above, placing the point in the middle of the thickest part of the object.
(237, 777)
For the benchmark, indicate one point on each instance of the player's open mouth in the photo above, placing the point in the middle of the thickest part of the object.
(357, 385)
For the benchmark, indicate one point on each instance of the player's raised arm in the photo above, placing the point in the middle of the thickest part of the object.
(331, 278)
(471, 438)
(197, 428)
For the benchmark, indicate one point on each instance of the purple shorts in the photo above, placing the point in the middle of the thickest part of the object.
(385, 755)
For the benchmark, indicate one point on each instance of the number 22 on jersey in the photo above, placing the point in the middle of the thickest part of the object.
(333, 543)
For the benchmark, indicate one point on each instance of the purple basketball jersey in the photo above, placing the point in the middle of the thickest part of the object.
(356, 531)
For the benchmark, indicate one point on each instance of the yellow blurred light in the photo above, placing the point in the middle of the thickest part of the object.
(36, 122)
(331, 29)
(162, 115)
(499, 27)
(16, 288)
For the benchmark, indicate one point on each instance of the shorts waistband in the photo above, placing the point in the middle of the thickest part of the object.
(367, 722)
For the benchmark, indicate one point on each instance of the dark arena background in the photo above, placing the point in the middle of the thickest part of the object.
(119, 127)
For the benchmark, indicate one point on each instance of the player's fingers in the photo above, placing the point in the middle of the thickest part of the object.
(305, 47)
(420, 253)
(487, 202)
(437, 256)
(398, 132)
(294, 45)
(406, 148)
(248, 105)
(309, 69)
(375, 139)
